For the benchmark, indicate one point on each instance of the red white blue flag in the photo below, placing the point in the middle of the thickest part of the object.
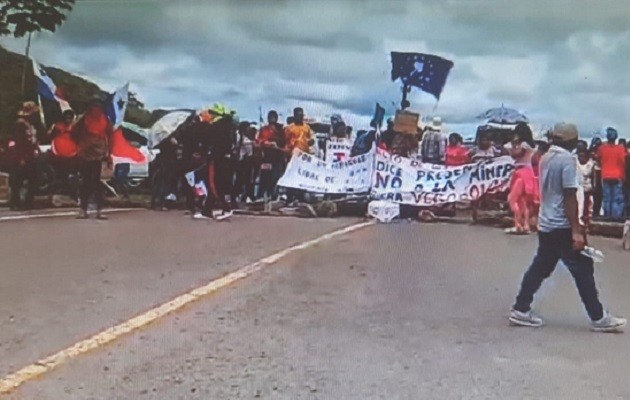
(47, 89)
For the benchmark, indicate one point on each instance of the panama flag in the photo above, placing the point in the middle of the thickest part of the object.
(47, 89)
(122, 150)
(117, 105)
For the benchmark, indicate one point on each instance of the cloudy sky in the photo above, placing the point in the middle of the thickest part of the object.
(555, 60)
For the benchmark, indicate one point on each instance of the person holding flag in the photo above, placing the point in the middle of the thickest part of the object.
(93, 134)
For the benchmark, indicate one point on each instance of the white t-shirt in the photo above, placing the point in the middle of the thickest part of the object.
(586, 170)
(246, 147)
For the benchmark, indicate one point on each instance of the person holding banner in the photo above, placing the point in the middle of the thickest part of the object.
(561, 237)
(485, 150)
(456, 153)
(298, 134)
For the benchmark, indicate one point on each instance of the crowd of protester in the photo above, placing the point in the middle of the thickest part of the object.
(217, 162)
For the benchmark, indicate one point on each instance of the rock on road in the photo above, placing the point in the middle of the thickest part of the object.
(400, 311)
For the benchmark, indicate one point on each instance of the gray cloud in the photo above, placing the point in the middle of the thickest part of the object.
(553, 60)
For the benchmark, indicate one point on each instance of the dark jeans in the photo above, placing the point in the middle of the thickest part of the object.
(221, 175)
(244, 184)
(91, 184)
(269, 179)
(17, 176)
(552, 247)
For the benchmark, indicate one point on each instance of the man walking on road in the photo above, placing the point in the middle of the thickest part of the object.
(561, 236)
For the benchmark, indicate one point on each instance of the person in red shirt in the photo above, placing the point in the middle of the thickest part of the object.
(93, 133)
(271, 142)
(456, 153)
(62, 143)
(612, 158)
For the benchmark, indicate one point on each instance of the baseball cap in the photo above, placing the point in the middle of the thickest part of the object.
(564, 132)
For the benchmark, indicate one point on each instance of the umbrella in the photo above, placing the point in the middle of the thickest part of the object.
(503, 115)
(167, 125)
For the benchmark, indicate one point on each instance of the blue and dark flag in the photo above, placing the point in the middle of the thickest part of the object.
(425, 71)
(379, 116)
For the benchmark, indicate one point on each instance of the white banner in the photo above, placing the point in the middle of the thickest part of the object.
(338, 149)
(307, 172)
(406, 181)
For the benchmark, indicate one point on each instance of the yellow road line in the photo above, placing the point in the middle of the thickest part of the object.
(30, 372)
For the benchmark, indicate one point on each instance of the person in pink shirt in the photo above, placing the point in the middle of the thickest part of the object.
(524, 197)
(456, 153)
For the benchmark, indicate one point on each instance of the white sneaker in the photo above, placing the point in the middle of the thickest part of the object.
(609, 323)
(199, 215)
(518, 318)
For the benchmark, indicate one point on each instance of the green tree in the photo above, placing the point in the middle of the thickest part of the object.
(23, 17)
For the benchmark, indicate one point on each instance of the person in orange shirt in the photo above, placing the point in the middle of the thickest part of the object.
(62, 143)
(612, 158)
(93, 133)
(298, 134)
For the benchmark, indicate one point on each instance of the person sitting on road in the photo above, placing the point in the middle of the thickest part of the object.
(456, 153)
(561, 237)
(21, 155)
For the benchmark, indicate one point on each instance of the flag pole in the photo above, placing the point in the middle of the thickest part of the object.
(406, 89)
(41, 111)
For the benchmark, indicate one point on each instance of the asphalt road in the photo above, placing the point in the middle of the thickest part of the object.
(400, 311)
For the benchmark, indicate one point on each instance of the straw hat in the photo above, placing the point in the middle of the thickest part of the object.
(436, 124)
(28, 108)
